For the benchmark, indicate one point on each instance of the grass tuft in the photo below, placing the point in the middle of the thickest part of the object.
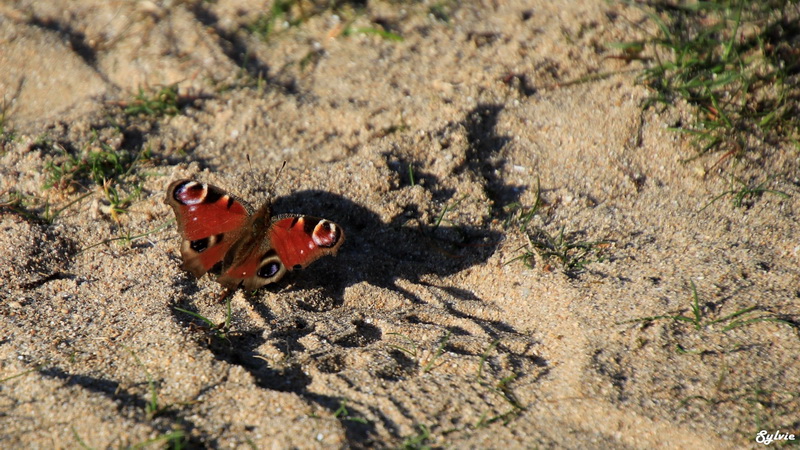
(571, 254)
(113, 169)
(387, 35)
(151, 407)
(438, 353)
(410, 350)
(418, 441)
(219, 331)
(565, 249)
(734, 62)
(698, 319)
(290, 12)
(448, 208)
(293, 13)
(502, 388)
(98, 163)
(343, 414)
(29, 206)
(162, 101)
(175, 440)
(519, 214)
(745, 195)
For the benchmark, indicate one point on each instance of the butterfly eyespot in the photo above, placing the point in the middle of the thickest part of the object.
(326, 234)
(190, 193)
(269, 269)
(200, 245)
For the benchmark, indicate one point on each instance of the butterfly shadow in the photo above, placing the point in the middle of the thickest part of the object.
(400, 256)
(380, 253)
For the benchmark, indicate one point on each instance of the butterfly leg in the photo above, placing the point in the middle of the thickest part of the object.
(225, 294)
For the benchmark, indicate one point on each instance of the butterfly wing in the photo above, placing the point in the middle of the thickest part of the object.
(301, 240)
(209, 220)
(289, 242)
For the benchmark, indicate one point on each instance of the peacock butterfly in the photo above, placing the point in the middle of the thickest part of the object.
(222, 235)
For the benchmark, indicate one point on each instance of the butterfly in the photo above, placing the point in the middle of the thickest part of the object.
(223, 236)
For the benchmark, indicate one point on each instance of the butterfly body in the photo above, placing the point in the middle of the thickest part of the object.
(221, 234)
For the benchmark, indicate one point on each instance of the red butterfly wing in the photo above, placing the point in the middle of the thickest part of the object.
(291, 242)
(301, 240)
(257, 269)
(208, 220)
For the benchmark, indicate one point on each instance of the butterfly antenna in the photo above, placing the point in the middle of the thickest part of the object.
(277, 175)
(252, 172)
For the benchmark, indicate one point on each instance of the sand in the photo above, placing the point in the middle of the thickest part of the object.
(425, 329)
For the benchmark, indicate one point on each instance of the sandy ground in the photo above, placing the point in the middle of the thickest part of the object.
(415, 333)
